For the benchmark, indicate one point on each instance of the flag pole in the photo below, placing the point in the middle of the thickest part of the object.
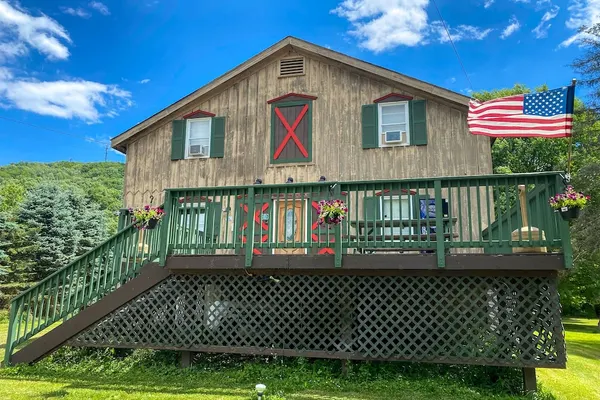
(568, 177)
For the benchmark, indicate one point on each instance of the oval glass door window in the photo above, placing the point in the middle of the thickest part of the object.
(290, 224)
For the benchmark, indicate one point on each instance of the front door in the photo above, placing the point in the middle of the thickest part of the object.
(289, 229)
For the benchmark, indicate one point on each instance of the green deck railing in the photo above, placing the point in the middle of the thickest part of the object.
(423, 214)
(79, 284)
(435, 215)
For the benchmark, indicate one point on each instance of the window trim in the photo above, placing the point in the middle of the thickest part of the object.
(380, 131)
(187, 139)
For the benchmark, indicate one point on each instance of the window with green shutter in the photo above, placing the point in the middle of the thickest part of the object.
(394, 123)
(198, 138)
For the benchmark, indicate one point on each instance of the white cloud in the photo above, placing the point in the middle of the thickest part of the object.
(583, 13)
(144, 81)
(41, 33)
(461, 32)
(100, 7)
(521, 1)
(488, 3)
(385, 24)
(76, 12)
(513, 26)
(541, 30)
(76, 99)
(10, 50)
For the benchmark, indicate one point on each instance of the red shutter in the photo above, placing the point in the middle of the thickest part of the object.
(291, 138)
(261, 225)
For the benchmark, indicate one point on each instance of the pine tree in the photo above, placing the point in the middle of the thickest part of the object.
(66, 225)
(16, 250)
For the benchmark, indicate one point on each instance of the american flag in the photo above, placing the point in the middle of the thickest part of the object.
(545, 114)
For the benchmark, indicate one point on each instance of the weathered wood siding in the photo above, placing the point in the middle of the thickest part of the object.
(337, 148)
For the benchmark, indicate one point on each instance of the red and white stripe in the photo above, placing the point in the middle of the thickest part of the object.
(504, 118)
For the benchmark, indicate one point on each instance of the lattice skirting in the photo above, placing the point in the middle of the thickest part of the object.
(508, 320)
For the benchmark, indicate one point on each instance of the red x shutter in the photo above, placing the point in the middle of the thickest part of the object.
(261, 229)
(291, 135)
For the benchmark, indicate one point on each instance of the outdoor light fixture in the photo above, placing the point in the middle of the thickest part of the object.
(260, 390)
(258, 181)
(322, 178)
(290, 180)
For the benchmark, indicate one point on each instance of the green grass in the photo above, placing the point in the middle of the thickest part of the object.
(104, 374)
(580, 379)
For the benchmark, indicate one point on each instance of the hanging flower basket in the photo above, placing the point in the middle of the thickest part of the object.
(146, 217)
(332, 212)
(569, 213)
(569, 203)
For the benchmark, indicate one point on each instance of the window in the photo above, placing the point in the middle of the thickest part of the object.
(198, 138)
(193, 217)
(395, 209)
(394, 124)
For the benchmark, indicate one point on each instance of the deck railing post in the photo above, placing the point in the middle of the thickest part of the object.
(564, 232)
(250, 233)
(164, 229)
(12, 324)
(337, 256)
(439, 223)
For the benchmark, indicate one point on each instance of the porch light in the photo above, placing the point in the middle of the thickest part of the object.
(258, 181)
(322, 178)
(290, 180)
(260, 390)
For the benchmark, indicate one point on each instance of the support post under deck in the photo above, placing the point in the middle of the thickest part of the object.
(529, 380)
(185, 359)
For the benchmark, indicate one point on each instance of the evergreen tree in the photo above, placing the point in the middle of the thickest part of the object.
(66, 225)
(16, 250)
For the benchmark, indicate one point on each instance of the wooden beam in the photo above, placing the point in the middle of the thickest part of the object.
(353, 264)
(334, 355)
(150, 275)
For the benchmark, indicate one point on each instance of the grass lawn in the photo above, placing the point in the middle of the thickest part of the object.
(99, 374)
(581, 378)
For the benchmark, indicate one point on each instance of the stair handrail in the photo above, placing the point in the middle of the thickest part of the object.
(80, 283)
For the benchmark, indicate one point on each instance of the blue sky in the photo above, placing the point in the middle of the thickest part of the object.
(91, 69)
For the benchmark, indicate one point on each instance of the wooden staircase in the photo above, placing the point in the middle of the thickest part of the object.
(82, 292)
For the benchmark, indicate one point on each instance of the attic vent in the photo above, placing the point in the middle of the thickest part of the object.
(291, 66)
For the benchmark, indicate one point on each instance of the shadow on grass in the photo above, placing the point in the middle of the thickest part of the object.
(115, 384)
(581, 328)
(56, 394)
(586, 349)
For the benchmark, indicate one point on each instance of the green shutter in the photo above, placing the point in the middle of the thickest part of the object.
(369, 126)
(178, 140)
(418, 122)
(372, 210)
(217, 137)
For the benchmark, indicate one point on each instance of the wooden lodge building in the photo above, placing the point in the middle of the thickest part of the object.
(431, 263)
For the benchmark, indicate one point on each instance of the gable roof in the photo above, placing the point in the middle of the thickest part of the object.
(119, 142)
